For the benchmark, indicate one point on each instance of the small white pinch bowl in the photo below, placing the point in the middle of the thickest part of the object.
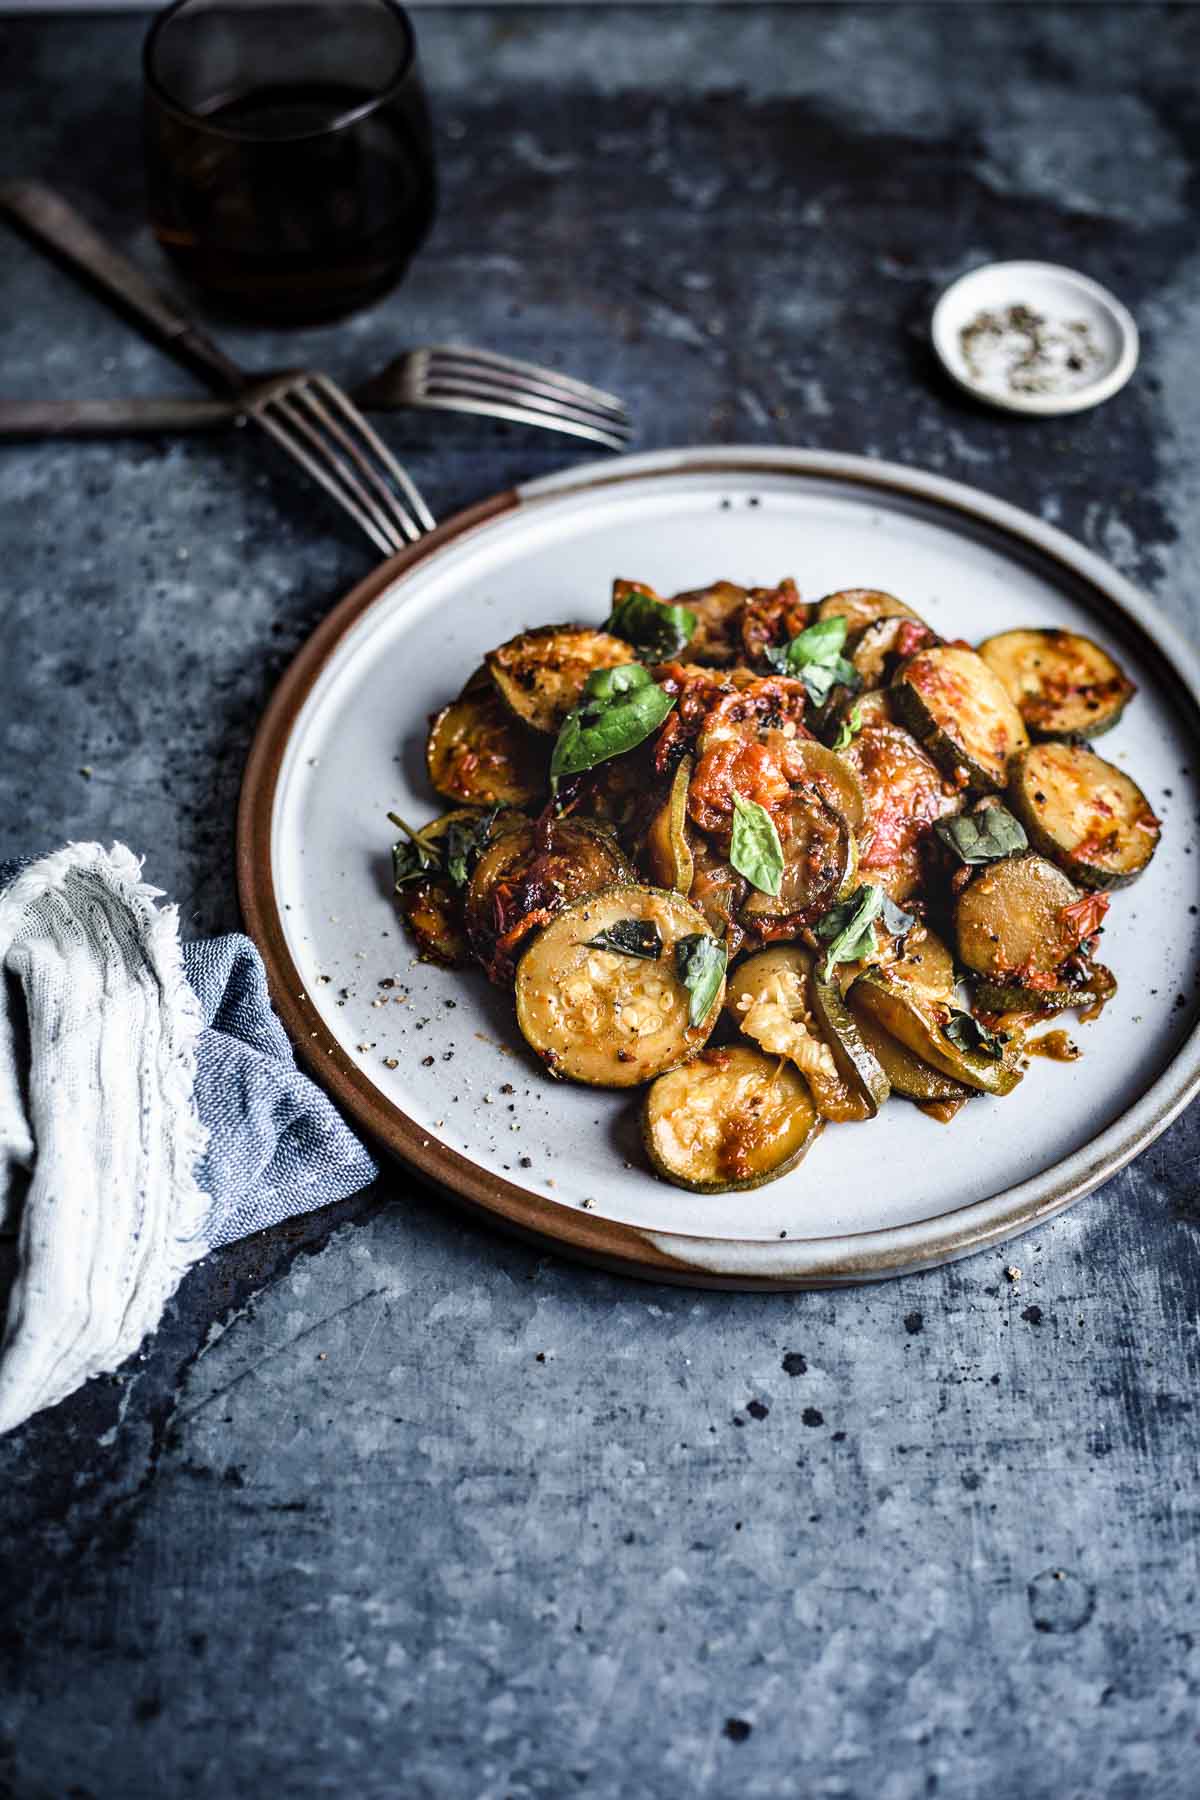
(1060, 294)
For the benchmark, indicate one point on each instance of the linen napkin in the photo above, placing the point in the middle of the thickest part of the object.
(150, 1108)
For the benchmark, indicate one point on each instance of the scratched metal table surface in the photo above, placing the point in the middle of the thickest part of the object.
(392, 1506)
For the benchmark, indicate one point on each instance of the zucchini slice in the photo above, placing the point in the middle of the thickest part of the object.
(599, 1015)
(1094, 987)
(950, 699)
(860, 607)
(925, 965)
(668, 855)
(1063, 684)
(1018, 918)
(718, 891)
(918, 1024)
(716, 640)
(730, 1120)
(524, 878)
(820, 862)
(905, 792)
(836, 780)
(776, 1000)
(432, 907)
(540, 674)
(1084, 813)
(907, 1074)
(883, 646)
(476, 753)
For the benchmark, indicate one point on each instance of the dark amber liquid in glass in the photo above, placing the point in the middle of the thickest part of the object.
(283, 213)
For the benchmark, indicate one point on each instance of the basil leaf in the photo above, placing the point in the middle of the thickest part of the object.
(820, 643)
(657, 629)
(629, 937)
(849, 728)
(964, 1030)
(608, 684)
(755, 850)
(412, 861)
(815, 658)
(896, 920)
(413, 856)
(700, 964)
(986, 835)
(465, 842)
(849, 929)
(610, 722)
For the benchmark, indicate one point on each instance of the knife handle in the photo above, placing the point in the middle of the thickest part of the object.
(47, 218)
(111, 418)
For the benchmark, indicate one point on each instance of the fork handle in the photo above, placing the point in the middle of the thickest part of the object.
(47, 218)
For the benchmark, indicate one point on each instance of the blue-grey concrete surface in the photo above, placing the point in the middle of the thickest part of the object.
(392, 1507)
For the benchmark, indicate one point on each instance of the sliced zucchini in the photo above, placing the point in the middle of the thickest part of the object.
(961, 712)
(433, 906)
(1062, 684)
(860, 607)
(820, 862)
(1018, 918)
(1084, 813)
(776, 999)
(600, 1015)
(836, 780)
(718, 891)
(540, 674)
(1094, 987)
(527, 876)
(883, 645)
(925, 964)
(731, 1119)
(718, 609)
(477, 754)
(907, 1074)
(668, 855)
(919, 1025)
(905, 792)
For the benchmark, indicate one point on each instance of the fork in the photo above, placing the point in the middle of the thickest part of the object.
(306, 413)
(454, 378)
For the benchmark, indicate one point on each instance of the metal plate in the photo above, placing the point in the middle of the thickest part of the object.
(342, 741)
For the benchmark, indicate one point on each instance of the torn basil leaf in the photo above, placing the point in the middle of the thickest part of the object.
(465, 842)
(849, 728)
(754, 849)
(629, 937)
(619, 710)
(657, 630)
(700, 964)
(965, 1031)
(815, 658)
(414, 856)
(986, 835)
(895, 919)
(849, 929)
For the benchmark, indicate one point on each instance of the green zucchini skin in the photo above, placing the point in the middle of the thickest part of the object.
(667, 1099)
(1004, 997)
(539, 675)
(895, 1007)
(1083, 813)
(908, 1075)
(857, 1064)
(959, 710)
(1063, 684)
(1010, 919)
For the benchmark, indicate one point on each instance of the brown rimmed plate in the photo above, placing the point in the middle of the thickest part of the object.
(341, 744)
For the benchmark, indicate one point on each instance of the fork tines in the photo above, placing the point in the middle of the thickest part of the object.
(311, 418)
(482, 381)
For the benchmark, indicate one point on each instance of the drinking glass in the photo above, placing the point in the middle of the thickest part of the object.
(289, 155)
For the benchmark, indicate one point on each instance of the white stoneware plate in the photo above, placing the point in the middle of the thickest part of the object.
(341, 744)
